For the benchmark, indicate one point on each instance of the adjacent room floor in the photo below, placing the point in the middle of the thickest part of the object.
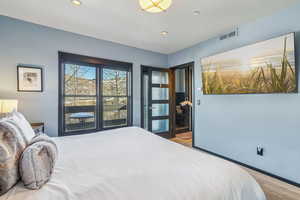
(273, 188)
(185, 139)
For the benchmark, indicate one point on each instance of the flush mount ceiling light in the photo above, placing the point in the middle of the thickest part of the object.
(155, 6)
(76, 2)
(164, 33)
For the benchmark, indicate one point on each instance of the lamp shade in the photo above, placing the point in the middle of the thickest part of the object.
(155, 6)
(8, 105)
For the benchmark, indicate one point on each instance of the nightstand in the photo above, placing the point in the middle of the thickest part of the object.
(38, 127)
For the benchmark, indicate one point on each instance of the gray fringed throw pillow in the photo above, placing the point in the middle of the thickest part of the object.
(12, 144)
(37, 162)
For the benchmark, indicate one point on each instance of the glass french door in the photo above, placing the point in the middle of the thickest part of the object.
(156, 100)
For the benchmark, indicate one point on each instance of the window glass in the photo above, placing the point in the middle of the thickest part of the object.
(80, 113)
(114, 82)
(115, 98)
(159, 126)
(160, 110)
(80, 80)
(114, 111)
(160, 93)
(159, 77)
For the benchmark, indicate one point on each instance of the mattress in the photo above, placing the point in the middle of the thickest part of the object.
(134, 164)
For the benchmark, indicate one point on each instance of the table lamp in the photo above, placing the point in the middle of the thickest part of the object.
(8, 105)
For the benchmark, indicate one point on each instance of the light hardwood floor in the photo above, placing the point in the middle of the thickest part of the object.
(184, 139)
(273, 188)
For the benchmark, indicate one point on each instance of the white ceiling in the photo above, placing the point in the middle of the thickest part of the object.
(123, 21)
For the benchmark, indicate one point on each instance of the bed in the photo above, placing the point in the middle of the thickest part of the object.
(133, 164)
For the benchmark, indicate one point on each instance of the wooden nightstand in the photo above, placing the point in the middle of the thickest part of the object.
(38, 127)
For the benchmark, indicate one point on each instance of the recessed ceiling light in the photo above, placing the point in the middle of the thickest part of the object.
(196, 12)
(76, 2)
(164, 33)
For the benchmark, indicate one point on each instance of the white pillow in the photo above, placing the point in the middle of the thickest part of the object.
(23, 124)
(37, 162)
(12, 145)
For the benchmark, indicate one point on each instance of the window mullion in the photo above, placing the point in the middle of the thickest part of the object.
(100, 96)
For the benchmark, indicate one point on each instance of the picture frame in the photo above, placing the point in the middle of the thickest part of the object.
(30, 79)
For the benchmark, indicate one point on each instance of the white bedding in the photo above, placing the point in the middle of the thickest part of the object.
(133, 164)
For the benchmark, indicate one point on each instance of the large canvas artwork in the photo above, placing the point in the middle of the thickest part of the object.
(264, 67)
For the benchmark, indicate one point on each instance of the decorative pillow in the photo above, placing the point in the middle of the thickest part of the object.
(37, 162)
(24, 125)
(12, 144)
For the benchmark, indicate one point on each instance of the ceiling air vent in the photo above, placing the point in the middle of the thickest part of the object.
(234, 33)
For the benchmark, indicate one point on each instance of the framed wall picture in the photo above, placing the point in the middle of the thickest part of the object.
(264, 67)
(30, 79)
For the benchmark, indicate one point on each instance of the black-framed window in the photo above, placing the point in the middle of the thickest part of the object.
(95, 94)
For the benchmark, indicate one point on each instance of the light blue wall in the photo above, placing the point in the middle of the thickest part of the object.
(27, 43)
(233, 125)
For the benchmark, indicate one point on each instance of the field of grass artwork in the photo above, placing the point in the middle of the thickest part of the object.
(264, 67)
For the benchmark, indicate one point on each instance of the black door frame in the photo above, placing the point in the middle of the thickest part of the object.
(190, 65)
(149, 69)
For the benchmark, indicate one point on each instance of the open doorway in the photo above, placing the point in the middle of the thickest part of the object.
(183, 96)
(166, 102)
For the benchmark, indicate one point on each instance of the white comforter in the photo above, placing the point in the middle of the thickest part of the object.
(133, 164)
